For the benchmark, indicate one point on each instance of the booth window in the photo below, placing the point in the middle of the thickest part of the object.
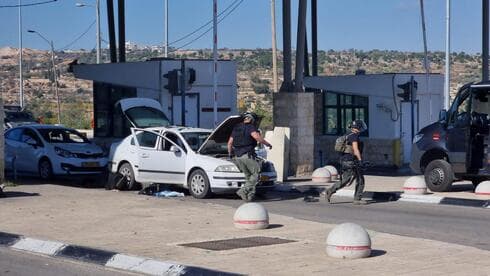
(340, 109)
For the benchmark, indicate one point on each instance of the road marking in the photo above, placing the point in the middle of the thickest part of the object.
(38, 246)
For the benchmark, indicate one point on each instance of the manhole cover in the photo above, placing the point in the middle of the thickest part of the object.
(237, 243)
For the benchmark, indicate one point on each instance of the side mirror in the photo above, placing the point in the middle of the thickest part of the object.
(174, 149)
(443, 115)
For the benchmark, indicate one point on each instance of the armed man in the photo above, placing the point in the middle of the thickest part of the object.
(351, 162)
(241, 144)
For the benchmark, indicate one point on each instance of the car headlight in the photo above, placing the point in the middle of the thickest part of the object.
(64, 153)
(417, 138)
(227, 168)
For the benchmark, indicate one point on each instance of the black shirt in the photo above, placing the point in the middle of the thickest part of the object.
(243, 142)
(351, 138)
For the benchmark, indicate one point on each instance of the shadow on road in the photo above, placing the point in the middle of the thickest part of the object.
(377, 253)
(17, 194)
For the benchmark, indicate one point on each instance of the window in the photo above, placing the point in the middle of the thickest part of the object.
(14, 134)
(29, 134)
(61, 135)
(147, 139)
(175, 139)
(341, 109)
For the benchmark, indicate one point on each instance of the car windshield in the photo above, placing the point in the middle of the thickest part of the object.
(19, 117)
(195, 139)
(143, 117)
(60, 135)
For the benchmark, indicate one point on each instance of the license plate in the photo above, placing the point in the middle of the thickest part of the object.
(264, 178)
(90, 164)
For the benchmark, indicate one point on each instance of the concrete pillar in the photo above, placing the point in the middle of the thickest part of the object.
(415, 185)
(279, 155)
(251, 216)
(348, 241)
(2, 143)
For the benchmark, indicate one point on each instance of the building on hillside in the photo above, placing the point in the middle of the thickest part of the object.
(317, 118)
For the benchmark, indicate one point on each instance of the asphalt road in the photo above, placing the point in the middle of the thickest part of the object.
(453, 224)
(15, 263)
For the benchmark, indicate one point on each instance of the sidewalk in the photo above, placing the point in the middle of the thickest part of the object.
(154, 227)
(462, 191)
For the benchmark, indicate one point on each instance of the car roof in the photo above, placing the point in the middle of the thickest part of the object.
(42, 126)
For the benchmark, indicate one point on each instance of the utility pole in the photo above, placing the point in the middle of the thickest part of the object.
(55, 78)
(426, 59)
(166, 28)
(274, 45)
(21, 80)
(485, 41)
(447, 76)
(215, 61)
(97, 18)
(300, 46)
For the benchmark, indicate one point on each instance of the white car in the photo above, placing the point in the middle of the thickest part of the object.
(193, 158)
(47, 150)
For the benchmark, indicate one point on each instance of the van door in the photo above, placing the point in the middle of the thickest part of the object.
(458, 131)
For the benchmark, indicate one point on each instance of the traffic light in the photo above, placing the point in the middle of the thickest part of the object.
(172, 81)
(409, 88)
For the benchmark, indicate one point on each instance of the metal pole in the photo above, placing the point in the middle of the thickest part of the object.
(112, 30)
(182, 91)
(306, 58)
(121, 16)
(426, 59)
(314, 39)
(412, 100)
(485, 27)
(215, 61)
(274, 46)
(21, 80)
(300, 46)
(166, 28)
(97, 18)
(286, 45)
(447, 75)
(55, 78)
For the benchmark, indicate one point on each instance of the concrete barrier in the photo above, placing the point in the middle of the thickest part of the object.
(334, 174)
(348, 241)
(415, 185)
(321, 175)
(251, 216)
(483, 189)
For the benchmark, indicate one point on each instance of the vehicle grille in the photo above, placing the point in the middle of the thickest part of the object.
(88, 155)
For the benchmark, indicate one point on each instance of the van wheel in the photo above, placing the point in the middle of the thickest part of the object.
(439, 176)
(199, 184)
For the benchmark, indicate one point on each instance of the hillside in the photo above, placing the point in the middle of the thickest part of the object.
(254, 75)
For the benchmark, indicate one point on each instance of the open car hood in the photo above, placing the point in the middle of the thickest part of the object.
(222, 133)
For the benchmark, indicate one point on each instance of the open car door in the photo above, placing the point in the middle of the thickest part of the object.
(160, 160)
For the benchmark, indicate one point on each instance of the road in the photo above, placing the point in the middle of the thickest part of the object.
(13, 263)
(453, 224)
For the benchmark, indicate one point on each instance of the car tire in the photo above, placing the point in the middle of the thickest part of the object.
(45, 169)
(198, 184)
(439, 176)
(127, 173)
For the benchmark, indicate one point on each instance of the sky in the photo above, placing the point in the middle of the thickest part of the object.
(342, 24)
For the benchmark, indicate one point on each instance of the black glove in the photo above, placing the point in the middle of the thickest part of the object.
(270, 147)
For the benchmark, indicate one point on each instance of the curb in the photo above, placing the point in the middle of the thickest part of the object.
(393, 196)
(102, 257)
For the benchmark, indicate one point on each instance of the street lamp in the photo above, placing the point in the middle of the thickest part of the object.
(55, 77)
(97, 18)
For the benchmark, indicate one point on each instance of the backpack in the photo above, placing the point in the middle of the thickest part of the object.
(342, 146)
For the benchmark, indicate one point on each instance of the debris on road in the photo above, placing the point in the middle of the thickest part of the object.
(167, 193)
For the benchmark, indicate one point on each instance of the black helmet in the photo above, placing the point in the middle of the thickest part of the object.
(359, 125)
(250, 115)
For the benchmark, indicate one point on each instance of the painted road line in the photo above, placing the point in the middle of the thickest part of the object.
(38, 246)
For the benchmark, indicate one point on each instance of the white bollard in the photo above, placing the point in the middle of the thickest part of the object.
(348, 241)
(321, 175)
(483, 189)
(251, 216)
(415, 185)
(334, 174)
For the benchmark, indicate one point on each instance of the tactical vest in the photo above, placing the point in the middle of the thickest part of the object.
(243, 141)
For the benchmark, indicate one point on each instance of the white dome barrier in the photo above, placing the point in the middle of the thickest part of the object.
(348, 241)
(483, 189)
(415, 185)
(334, 174)
(251, 216)
(321, 175)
